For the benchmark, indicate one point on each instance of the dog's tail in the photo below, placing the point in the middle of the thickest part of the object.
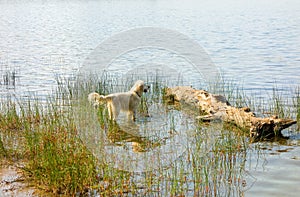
(96, 99)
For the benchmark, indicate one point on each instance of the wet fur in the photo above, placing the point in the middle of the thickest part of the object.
(123, 101)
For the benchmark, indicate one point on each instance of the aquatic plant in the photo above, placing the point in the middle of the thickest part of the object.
(296, 104)
(9, 77)
(46, 137)
(2, 149)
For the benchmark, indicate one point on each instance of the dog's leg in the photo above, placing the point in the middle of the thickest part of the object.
(131, 115)
(115, 114)
(110, 112)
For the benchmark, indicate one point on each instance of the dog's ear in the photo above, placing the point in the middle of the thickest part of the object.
(140, 88)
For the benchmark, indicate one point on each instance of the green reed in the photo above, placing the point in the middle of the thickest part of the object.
(47, 138)
(282, 105)
(2, 149)
(296, 104)
(212, 166)
(55, 158)
(278, 105)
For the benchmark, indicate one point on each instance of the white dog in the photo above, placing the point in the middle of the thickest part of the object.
(123, 101)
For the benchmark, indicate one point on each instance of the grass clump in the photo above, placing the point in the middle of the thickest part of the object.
(47, 137)
(296, 105)
(2, 149)
(213, 165)
(55, 159)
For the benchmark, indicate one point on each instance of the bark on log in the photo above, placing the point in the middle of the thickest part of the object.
(216, 107)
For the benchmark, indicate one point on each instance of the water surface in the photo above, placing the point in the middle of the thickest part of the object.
(255, 43)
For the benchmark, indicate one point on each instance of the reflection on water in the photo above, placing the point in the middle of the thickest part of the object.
(129, 134)
(212, 158)
(150, 143)
(182, 155)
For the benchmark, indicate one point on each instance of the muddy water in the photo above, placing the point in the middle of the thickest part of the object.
(254, 43)
(12, 183)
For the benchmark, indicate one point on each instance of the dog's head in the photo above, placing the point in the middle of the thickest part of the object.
(140, 87)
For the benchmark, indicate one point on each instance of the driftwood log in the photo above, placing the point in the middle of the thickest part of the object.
(216, 107)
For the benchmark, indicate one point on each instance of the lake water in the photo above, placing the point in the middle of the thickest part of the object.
(256, 43)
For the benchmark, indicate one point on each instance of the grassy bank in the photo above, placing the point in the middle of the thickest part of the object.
(57, 160)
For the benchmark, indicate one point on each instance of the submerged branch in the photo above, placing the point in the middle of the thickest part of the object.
(216, 107)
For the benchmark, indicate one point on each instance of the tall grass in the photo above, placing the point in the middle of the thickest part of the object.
(296, 104)
(212, 167)
(2, 149)
(47, 138)
(284, 106)
(55, 158)
(232, 90)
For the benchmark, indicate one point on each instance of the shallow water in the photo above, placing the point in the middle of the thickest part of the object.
(12, 183)
(254, 43)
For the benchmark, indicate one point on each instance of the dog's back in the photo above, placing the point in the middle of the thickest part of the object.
(123, 101)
